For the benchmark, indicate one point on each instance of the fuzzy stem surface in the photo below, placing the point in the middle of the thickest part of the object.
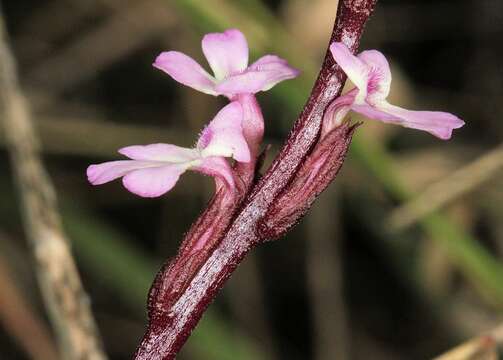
(177, 313)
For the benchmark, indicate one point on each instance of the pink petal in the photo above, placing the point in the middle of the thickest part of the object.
(356, 70)
(153, 182)
(379, 76)
(160, 152)
(217, 166)
(274, 63)
(185, 70)
(253, 122)
(227, 52)
(437, 123)
(262, 75)
(375, 113)
(337, 110)
(103, 173)
(276, 68)
(224, 135)
(249, 82)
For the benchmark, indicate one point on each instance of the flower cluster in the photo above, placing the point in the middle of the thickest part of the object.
(237, 130)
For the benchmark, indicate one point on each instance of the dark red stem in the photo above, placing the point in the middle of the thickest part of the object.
(184, 288)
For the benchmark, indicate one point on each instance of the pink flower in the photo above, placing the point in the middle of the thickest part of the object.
(227, 54)
(370, 73)
(154, 169)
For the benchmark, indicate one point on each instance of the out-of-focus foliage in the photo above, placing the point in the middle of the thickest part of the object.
(355, 286)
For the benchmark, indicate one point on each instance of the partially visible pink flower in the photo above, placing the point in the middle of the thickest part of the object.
(154, 169)
(370, 73)
(227, 54)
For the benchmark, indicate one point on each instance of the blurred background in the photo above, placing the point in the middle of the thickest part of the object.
(399, 259)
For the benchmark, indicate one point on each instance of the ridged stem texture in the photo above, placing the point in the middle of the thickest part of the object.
(258, 210)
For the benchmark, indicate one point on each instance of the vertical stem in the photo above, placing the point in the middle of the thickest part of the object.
(57, 273)
(181, 312)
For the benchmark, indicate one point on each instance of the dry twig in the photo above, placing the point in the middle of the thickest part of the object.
(62, 290)
(125, 31)
(19, 320)
(439, 194)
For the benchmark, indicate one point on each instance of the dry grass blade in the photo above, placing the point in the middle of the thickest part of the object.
(129, 28)
(72, 135)
(96, 137)
(481, 348)
(19, 319)
(446, 190)
(325, 279)
(58, 277)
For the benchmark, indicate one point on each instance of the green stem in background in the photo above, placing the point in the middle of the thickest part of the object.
(479, 266)
(265, 32)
